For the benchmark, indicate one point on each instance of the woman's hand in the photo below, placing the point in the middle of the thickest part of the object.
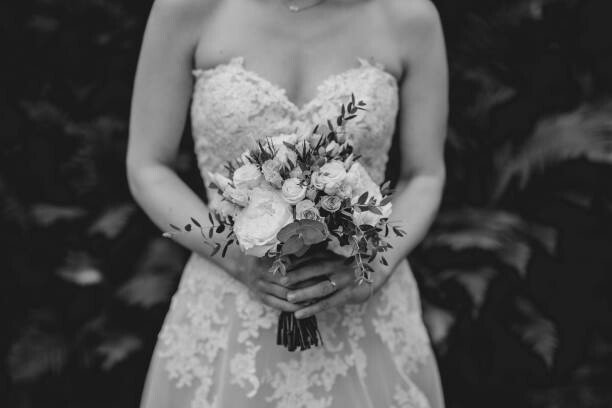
(255, 274)
(340, 286)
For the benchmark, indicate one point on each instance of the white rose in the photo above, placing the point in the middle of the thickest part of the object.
(331, 203)
(331, 175)
(293, 190)
(306, 209)
(271, 172)
(247, 176)
(258, 224)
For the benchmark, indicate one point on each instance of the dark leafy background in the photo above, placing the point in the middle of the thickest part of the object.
(515, 273)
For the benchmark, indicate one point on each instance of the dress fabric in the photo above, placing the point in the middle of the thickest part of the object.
(217, 347)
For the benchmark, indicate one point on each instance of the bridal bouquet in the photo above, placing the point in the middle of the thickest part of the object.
(293, 195)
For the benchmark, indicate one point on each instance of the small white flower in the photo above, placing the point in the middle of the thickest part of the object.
(331, 175)
(271, 172)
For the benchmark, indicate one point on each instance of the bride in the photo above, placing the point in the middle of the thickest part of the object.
(249, 69)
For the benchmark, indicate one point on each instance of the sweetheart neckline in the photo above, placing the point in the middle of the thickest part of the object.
(303, 107)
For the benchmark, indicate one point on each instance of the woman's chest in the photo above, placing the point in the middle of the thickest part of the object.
(296, 51)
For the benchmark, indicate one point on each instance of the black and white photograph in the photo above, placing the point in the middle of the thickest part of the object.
(306, 203)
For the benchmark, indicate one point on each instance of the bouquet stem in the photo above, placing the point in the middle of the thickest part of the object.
(296, 333)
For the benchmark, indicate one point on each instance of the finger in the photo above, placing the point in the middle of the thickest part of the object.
(307, 259)
(272, 289)
(278, 304)
(338, 298)
(321, 289)
(306, 272)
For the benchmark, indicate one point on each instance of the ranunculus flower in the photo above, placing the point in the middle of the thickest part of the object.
(247, 176)
(271, 172)
(331, 175)
(293, 190)
(258, 224)
(306, 210)
(331, 203)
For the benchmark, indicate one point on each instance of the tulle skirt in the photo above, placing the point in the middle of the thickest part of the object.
(217, 348)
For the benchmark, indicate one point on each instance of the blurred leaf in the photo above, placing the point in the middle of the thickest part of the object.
(39, 349)
(505, 234)
(439, 323)
(111, 222)
(584, 133)
(79, 269)
(117, 349)
(476, 284)
(536, 331)
(48, 214)
(147, 290)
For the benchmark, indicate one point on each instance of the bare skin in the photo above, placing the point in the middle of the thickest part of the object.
(295, 52)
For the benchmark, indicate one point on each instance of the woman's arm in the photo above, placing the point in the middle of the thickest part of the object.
(423, 124)
(423, 116)
(162, 93)
(160, 102)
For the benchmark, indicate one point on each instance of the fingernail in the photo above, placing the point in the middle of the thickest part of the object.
(290, 297)
(299, 315)
(284, 280)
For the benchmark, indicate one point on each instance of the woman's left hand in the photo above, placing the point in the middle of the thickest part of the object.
(339, 288)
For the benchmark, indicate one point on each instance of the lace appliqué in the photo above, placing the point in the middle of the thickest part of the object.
(401, 327)
(234, 107)
(192, 343)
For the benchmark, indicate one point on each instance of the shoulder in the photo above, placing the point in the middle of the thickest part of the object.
(418, 18)
(416, 24)
(180, 12)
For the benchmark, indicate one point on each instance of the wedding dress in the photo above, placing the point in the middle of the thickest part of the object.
(217, 347)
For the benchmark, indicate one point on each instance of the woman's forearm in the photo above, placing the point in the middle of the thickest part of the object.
(415, 206)
(166, 199)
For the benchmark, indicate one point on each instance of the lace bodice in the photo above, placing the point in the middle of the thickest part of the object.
(234, 107)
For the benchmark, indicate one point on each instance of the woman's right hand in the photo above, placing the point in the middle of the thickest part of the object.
(255, 274)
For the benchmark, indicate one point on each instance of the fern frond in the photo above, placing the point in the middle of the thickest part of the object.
(584, 133)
